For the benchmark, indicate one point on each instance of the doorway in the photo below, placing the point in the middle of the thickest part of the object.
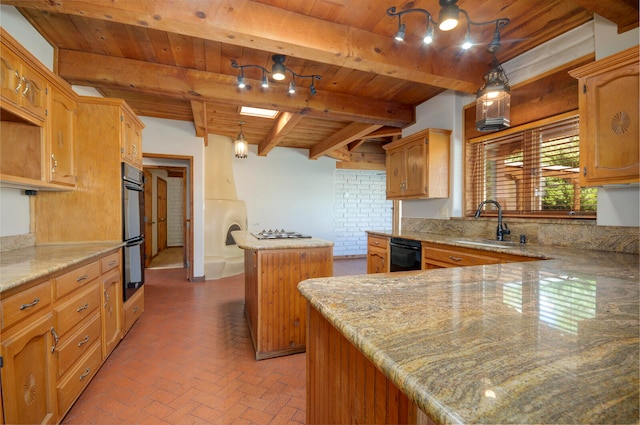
(168, 212)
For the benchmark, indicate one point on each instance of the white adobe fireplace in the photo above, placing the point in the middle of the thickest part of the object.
(223, 212)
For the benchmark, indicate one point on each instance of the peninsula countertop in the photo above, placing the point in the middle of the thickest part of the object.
(549, 341)
(245, 240)
(20, 266)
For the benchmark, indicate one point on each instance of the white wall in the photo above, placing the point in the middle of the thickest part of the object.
(168, 137)
(286, 190)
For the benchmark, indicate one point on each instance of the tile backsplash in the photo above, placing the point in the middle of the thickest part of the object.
(574, 234)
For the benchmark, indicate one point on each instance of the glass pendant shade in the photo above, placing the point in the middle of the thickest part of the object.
(493, 101)
(241, 146)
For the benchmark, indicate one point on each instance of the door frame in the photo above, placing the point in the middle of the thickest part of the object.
(187, 201)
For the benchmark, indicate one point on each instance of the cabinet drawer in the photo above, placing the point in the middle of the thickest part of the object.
(68, 282)
(25, 304)
(78, 377)
(75, 345)
(378, 241)
(110, 262)
(76, 309)
(456, 258)
(133, 309)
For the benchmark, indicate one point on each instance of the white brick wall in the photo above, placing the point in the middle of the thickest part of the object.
(359, 205)
(174, 212)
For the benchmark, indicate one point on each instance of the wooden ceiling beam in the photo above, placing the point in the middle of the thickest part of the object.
(351, 132)
(200, 119)
(190, 84)
(254, 25)
(284, 124)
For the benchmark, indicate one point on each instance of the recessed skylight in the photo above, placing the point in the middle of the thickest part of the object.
(258, 112)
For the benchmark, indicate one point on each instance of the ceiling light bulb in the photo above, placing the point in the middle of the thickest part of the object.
(400, 34)
(312, 89)
(265, 82)
(448, 17)
(467, 42)
(278, 69)
(292, 88)
(428, 38)
(241, 83)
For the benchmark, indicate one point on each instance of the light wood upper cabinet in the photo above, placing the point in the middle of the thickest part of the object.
(418, 165)
(609, 114)
(131, 147)
(60, 154)
(23, 88)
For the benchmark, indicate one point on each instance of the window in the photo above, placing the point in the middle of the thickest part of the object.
(531, 170)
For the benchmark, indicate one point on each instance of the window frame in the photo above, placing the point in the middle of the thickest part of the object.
(474, 189)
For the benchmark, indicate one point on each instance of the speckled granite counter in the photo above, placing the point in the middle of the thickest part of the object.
(553, 341)
(23, 265)
(246, 241)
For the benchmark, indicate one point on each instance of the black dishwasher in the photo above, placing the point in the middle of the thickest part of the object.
(405, 255)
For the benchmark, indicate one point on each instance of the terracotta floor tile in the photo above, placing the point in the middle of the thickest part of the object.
(189, 360)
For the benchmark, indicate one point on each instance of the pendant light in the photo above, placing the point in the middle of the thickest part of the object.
(241, 146)
(493, 100)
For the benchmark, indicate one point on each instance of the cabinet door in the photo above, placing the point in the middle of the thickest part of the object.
(34, 93)
(28, 374)
(61, 120)
(131, 141)
(415, 162)
(377, 261)
(10, 84)
(609, 145)
(111, 287)
(395, 173)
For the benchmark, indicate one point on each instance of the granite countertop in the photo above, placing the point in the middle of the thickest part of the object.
(20, 266)
(549, 341)
(247, 241)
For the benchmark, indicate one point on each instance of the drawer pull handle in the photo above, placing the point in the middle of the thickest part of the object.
(113, 263)
(455, 258)
(86, 373)
(26, 306)
(135, 309)
(55, 339)
(82, 308)
(81, 278)
(84, 341)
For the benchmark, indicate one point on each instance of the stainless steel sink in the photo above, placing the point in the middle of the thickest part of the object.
(487, 243)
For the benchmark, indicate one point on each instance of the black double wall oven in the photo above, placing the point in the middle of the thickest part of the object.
(132, 225)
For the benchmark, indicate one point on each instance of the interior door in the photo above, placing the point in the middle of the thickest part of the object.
(162, 214)
(148, 218)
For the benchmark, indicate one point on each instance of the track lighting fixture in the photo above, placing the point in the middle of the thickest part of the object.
(449, 19)
(240, 145)
(278, 73)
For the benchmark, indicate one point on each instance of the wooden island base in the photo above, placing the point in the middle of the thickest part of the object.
(344, 387)
(276, 311)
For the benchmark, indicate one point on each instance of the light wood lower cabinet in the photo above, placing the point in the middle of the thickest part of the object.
(378, 258)
(435, 256)
(275, 309)
(133, 309)
(28, 372)
(344, 387)
(55, 336)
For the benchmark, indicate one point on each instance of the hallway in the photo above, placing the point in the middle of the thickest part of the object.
(189, 360)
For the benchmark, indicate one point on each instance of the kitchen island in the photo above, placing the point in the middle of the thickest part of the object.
(275, 310)
(548, 341)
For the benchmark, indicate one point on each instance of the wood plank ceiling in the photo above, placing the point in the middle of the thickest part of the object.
(173, 59)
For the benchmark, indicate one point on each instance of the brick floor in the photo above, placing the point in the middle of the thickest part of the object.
(189, 360)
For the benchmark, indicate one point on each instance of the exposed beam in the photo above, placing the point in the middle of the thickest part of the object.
(341, 138)
(384, 132)
(623, 13)
(200, 119)
(285, 123)
(189, 84)
(341, 154)
(254, 25)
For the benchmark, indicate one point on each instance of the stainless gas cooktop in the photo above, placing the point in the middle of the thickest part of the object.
(278, 234)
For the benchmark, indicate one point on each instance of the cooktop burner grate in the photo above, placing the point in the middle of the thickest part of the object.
(279, 234)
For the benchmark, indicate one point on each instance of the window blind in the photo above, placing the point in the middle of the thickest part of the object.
(530, 172)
